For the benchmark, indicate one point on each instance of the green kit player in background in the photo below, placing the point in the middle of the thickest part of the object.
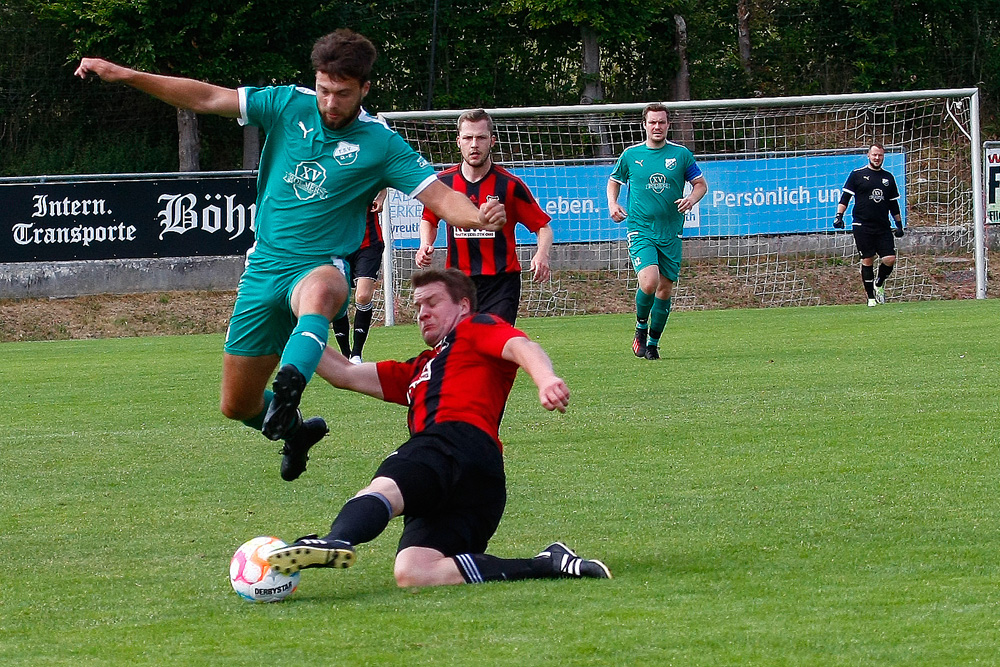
(324, 159)
(655, 172)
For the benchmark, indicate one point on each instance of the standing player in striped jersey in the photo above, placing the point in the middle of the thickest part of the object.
(448, 479)
(489, 258)
(876, 197)
(364, 263)
(655, 172)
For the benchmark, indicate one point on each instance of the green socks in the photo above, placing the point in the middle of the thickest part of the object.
(305, 346)
(658, 319)
(643, 304)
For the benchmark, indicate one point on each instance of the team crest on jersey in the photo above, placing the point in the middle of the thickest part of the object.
(657, 183)
(346, 153)
(670, 163)
(885, 182)
(308, 180)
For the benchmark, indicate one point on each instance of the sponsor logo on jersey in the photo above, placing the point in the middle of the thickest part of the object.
(877, 196)
(461, 233)
(308, 181)
(346, 153)
(657, 183)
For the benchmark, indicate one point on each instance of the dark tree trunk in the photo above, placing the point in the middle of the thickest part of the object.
(188, 145)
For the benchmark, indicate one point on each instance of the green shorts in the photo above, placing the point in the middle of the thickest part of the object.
(262, 318)
(666, 255)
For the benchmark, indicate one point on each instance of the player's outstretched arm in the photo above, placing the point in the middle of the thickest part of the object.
(198, 96)
(341, 373)
(458, 211)
(553, 393)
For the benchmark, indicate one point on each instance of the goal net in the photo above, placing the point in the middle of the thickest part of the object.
(774, 167)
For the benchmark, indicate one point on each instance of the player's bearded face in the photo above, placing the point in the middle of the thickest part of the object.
(437, 314)
(475, 142)
(656, 124)
(339, 100)
(876, 156)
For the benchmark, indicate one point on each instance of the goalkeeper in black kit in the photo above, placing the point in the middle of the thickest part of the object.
(876, 197)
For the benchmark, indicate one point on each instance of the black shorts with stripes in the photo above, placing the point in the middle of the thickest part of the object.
(454, 488)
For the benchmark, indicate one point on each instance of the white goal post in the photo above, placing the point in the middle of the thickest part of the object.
(774, 167)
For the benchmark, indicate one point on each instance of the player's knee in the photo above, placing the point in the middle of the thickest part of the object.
(234, 409)
(230, 411)
(408, 575)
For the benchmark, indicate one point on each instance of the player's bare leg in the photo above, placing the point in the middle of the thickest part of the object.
(315, 301)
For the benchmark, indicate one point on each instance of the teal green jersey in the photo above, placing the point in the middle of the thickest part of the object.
(655, 180)
(314, 184)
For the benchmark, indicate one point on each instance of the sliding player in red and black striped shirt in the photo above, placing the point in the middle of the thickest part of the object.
(447, 480)
(489, 258)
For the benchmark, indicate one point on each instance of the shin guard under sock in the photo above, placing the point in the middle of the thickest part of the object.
(342, 332)
(361, 519)
(306, 344)
(868, 280)
(362, 323)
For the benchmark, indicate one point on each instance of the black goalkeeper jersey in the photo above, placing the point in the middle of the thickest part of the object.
(876, 197)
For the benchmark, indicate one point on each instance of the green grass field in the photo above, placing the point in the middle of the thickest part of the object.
(791, 486)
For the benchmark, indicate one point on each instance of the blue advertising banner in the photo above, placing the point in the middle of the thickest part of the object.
(778, 195)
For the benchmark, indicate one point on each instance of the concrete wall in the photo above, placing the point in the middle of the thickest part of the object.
(119, 276)
(124, 276)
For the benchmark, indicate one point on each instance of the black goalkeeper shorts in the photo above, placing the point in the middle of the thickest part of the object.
(873, 242)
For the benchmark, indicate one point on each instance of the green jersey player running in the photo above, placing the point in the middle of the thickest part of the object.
(324, 159)
(655, 172)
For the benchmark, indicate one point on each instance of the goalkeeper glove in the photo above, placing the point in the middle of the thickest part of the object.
(838, 221)
(898, 232)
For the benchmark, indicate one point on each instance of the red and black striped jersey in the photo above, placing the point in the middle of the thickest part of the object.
(373, 229)
(464, 378)
(477, 252)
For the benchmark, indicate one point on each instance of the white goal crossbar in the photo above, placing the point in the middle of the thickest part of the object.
(565, 153)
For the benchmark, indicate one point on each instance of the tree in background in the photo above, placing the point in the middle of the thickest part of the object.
(226, 42)
(459, 54)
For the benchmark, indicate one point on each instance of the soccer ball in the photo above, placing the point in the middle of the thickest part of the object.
(252, 576)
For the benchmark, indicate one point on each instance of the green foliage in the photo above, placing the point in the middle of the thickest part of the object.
(768, 493)
(502, 53)
(618, 18)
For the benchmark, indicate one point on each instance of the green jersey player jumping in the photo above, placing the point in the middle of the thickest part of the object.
(323, 161)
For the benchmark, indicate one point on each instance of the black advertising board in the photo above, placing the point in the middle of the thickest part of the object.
(117, 219)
